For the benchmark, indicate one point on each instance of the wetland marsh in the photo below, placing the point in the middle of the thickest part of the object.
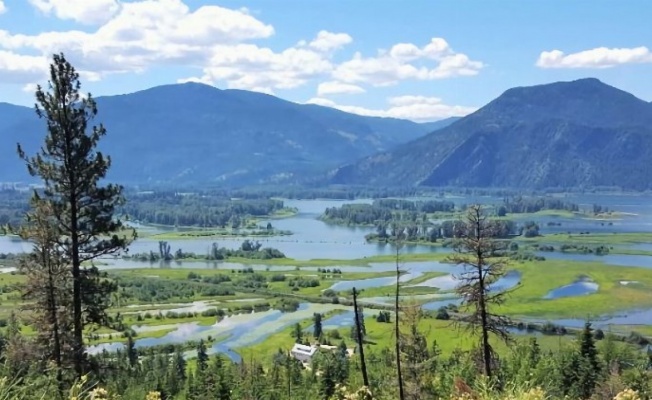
(330, 259)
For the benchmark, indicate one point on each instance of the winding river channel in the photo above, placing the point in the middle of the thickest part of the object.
(315, 239)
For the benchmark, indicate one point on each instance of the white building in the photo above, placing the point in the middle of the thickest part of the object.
(303, 353)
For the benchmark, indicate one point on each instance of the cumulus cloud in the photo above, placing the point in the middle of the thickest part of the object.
(334, 87)
(3, 8)
(601, 57)
(21, 68)
(136, 35)
(328, 41)
(436, 60)
(84, 11)
(415, 108)
(30, 88)
(247, 66)
(145, 33)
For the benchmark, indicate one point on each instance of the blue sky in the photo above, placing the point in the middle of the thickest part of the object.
(421, 60)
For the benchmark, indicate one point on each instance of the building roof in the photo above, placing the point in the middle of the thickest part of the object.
(303, 349)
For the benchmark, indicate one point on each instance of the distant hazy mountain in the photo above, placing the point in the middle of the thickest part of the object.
(567, 134)
(196, 133)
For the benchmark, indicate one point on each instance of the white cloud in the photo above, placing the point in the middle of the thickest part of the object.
(334, 87)
(3, 8)
(415, 108)
(21, 68)
(146, 33)
(84, 11)
(436, 60)
(134, 36)
(247, 66)
(203, 80)
(30, 88)
(328, 41)
(601, 57)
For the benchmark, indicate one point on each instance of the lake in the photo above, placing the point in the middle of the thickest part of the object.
(314, 239)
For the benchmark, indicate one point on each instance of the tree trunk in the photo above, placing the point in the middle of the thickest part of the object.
(363, 365)
(397, 331)
(486, 348)
(56, 348)
(78, 351)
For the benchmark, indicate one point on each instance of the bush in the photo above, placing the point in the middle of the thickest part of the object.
(442, 314)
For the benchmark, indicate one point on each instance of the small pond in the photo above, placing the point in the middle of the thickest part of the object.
(581, 287)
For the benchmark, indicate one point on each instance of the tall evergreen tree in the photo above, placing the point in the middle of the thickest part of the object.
(72, 171)
(297, 333)
(590, 369)
(317, 326)
(132, 353)
(202, 356)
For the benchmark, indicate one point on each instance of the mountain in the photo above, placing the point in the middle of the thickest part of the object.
(436, 125)
(582, 133)
(194, 133)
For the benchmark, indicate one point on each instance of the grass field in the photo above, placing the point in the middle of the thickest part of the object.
(381, 336)
(538, 278)
(599, 239)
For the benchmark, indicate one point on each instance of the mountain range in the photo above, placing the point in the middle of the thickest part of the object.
(194, 133)
(579, 134)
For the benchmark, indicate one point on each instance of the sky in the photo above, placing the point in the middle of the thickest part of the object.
(420, 60)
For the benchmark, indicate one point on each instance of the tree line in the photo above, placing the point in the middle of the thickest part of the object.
(522, 205)
(386, 210)
(248, 249)
(191, 209)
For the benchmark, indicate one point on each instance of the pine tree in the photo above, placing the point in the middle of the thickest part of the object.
(48, 288)
(478, 254)
(132, 353)
(72, 169)
(297, 333)
(317, 328)
(587, 347)
(202, 356)
(590, 367)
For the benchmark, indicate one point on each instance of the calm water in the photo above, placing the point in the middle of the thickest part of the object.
(634, 317)
(624, 260)
(315, 239)
(241, 330)
(580, 287)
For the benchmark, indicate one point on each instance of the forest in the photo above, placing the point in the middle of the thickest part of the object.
(179, 209)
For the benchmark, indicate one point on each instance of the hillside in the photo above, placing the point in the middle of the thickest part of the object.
(582, 133)
(194, 133)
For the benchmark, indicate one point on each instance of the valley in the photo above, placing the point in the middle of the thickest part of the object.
(224, 307)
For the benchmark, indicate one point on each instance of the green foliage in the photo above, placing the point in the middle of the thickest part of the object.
(81, 209)
(194, 209)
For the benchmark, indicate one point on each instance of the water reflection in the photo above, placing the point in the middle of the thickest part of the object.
(581, 287)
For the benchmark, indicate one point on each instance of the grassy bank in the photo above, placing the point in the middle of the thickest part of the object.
(539, 278)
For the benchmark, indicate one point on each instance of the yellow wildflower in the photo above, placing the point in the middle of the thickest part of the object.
(99, 394)
(627, 394)
(153, 396)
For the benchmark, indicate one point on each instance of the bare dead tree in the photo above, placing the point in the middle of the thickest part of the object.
(397, 329)
(480, 256)
(358, 327)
